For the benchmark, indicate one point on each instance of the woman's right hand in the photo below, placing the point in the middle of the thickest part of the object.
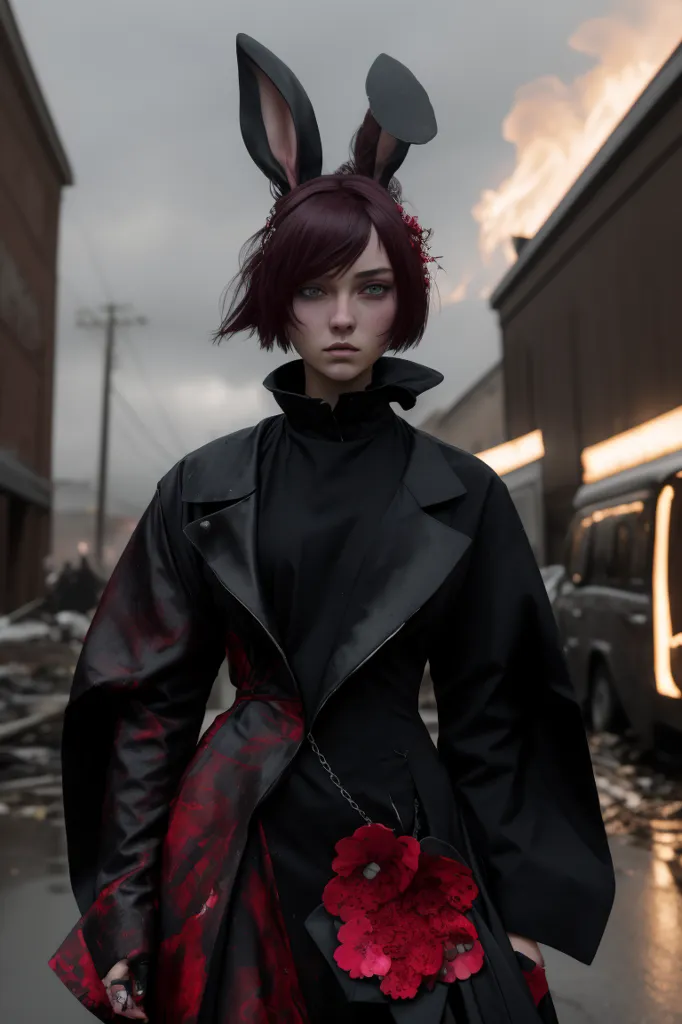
(120, 988)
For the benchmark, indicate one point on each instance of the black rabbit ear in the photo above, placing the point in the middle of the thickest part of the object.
(276, 118)
(400, 115)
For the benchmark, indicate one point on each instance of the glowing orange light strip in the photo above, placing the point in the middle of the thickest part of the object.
(616, 510)
(511, 455)
(664, 641)
(648, 441)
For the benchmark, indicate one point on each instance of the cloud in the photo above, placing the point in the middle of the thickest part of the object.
(145, 96)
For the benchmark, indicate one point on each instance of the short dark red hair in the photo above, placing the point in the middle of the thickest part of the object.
(320, 227)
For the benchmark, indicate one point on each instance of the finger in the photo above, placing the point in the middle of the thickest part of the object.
(127, 1009)
(121, 999)
(118, 972)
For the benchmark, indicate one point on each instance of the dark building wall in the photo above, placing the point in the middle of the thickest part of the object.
(592, 330)
(31, 180)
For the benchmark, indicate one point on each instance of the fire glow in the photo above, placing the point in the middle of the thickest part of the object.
(459, 293)
(650, 440)
(557, 128)
(630, 509)
(511, 455)
(664, 640)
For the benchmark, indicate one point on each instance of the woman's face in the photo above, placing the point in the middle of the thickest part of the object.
(342, 323)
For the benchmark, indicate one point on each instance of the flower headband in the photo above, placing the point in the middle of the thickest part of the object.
(420, 238)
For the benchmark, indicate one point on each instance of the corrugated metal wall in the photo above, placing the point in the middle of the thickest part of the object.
(592, 333)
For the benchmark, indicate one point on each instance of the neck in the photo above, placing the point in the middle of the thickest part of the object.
(319, 386)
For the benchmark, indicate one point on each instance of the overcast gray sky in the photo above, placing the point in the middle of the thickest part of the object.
(144, 93)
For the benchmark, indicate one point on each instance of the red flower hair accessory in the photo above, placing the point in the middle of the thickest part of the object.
(419, 239)
(403, 911)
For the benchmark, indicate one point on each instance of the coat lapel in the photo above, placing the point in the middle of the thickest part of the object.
(226, 473)
(414, 554)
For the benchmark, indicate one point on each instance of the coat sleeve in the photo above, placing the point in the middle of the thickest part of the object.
(512, 738)
(131, 726)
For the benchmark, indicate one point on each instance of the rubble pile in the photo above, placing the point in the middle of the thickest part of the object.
(37, 659)
(638, 798)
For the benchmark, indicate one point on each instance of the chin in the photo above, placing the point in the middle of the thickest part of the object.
(345, 369)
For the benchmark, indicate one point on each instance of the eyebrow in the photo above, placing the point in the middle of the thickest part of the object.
(374, 272)
(361, 274)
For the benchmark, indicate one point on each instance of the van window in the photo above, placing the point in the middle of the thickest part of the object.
(615, 546)
(601, 551)
(640, 569)
(619, 570)
(576, 560)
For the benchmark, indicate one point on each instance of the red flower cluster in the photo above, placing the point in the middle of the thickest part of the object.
(419, 239)
(403, 911)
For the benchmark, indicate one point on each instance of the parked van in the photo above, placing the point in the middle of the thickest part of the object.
(620, 607)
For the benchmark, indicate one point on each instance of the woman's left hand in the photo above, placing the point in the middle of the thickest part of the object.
(527, 947)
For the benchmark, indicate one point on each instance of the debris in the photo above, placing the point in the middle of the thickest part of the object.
(37, 813)
(23, 632)
(49, 792)
(12, 669)
(29, 755)
(672, 810)
(16, 785)
(625, 796)
(73, 624)
(53, 709)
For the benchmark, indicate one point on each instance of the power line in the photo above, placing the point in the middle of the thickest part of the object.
(169, 460)
(155, 465)
(153, 393)
(92, 253)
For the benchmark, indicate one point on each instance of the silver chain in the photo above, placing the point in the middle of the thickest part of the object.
(336, 780)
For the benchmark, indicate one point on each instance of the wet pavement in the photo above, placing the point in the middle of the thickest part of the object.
(635, 979)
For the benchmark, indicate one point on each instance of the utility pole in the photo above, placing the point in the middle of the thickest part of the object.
(109, 324)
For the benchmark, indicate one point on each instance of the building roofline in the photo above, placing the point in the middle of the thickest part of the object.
(471, 390)
(661, 92)
(10, 29)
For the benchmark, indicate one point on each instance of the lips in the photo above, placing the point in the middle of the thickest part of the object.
(341, 348)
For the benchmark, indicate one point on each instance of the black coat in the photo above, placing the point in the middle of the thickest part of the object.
(453, 581)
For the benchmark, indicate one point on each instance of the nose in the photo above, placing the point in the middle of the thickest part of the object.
(342, 320)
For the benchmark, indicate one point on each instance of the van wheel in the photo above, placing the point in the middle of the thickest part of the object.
(606, 714)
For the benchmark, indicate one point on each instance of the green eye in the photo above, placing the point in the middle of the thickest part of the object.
(305, 292)
(377, 289)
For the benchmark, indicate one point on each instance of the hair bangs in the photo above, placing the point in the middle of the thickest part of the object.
(317, 229)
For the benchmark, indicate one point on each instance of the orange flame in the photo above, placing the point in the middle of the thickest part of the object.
(459, 292)
(557, 128)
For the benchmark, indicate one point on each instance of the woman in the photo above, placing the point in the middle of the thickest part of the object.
(330, 551)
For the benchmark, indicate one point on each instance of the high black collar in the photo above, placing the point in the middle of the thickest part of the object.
(357, 414)
(226, 469)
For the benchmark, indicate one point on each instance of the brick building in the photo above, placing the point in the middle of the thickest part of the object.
(33, 170)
